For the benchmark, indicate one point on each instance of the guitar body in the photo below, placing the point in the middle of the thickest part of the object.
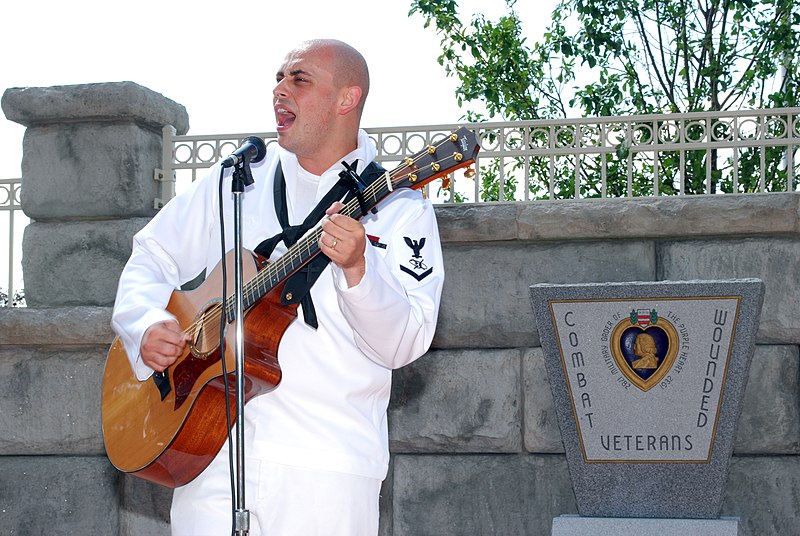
(170, 438)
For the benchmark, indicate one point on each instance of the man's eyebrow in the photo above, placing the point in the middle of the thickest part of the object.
(293, 72)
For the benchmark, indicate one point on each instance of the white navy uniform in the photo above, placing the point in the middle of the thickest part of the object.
(328, 414)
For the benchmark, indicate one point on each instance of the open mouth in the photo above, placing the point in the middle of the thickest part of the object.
(284, 118)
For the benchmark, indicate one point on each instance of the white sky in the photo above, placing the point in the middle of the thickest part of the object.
(218, 59)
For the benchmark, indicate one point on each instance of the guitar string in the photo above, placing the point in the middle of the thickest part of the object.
(306, 243)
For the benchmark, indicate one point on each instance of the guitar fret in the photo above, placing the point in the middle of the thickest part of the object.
(262, 288)
(249, 297)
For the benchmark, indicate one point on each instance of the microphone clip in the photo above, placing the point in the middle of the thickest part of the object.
(242, 176)
(252, 150)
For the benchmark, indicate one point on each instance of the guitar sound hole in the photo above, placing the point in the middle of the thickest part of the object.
(205, 337)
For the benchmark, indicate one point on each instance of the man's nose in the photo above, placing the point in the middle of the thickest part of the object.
(279, 89)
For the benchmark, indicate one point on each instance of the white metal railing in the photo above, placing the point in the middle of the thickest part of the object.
(12, 219)
(671, 154)
(667, 154)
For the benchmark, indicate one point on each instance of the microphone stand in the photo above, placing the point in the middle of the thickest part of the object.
(241, 177)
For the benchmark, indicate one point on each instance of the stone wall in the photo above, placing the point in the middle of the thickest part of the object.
(476, 448)
(474, 433)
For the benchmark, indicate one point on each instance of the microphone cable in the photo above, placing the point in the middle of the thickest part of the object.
(222, 328)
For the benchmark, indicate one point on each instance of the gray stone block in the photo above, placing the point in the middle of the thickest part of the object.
(145, 508)
(770, 419)
(485, 302)
(89, 171)
(58, 496)
(77, 263)
(763, 493)
(659, 217)
(643, 217)
(486, 495)
(477, 222)
(457, 401)
(604, 526)
(50, 400)
(776, 261)
(52, 326)
(540, 422)
(109, 101)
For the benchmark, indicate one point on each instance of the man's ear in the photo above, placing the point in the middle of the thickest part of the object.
(350, 97)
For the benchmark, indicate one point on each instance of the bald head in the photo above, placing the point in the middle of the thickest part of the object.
(348, 66)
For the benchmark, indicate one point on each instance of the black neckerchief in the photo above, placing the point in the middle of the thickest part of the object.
(298, 285)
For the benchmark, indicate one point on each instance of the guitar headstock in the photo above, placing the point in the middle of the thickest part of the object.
(455, 151)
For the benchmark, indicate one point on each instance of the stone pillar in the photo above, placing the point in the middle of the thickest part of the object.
(89, 154)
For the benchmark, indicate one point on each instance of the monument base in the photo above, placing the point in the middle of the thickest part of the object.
(573, 525)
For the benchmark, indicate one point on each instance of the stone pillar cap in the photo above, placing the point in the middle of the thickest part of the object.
(112, 101)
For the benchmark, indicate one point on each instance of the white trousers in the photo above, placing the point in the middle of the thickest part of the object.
(281, 500)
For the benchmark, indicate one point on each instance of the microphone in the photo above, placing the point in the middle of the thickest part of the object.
(252, 148)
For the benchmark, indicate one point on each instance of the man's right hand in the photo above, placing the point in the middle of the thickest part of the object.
(163, 344)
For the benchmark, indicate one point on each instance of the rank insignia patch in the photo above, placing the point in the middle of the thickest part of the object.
(376, 241)
(416, 264)
(644, 347)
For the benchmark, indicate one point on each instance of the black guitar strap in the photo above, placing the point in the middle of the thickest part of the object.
(298, 285)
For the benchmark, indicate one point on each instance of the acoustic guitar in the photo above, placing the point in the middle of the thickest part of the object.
(168, 428)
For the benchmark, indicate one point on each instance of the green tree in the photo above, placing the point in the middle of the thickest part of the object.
(626, 57)
(18, 299)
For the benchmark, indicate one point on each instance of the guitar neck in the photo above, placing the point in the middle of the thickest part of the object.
(304, 250)
(455, 151)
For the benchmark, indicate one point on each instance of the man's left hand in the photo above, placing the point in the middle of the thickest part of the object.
(343, 240)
